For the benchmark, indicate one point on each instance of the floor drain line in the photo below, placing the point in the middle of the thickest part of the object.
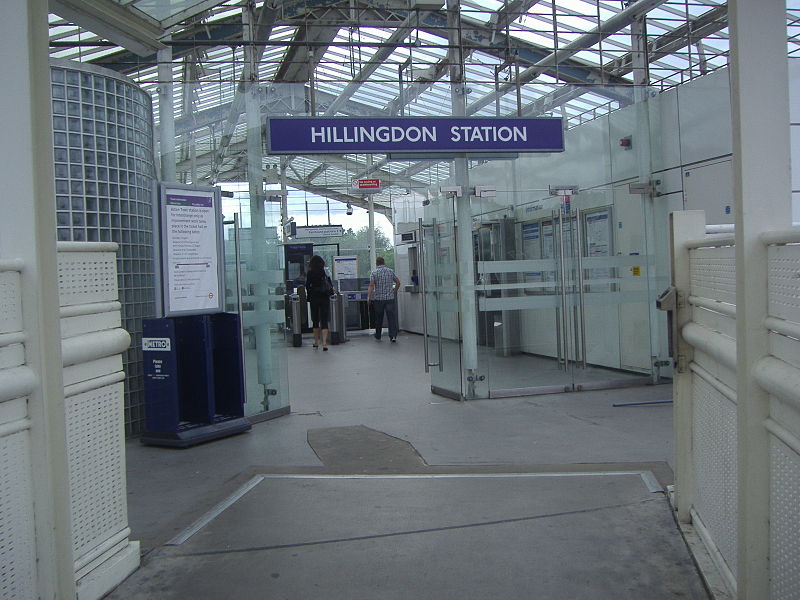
(214, 512)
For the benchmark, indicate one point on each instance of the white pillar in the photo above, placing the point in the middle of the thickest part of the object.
(463, 213)
(28, 232)
(762, 190)
(166, 115)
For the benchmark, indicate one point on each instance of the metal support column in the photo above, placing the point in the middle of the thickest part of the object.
(643, 149)
(463, 213)
(255, 178)
(166, 115)
(371, 208)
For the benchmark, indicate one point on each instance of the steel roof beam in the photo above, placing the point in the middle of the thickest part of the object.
(236, 150)
(310, 177)
(552, 61)
(371, 65)
(300, 60)
(475, 34)
(261, 31)
(210, 116)
(322, 191)
(687, 34)
(511, 12)
(134, 31)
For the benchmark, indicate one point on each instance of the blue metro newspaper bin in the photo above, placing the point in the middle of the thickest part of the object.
(193, 379)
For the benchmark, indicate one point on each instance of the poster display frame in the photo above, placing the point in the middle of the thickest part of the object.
(210, 247)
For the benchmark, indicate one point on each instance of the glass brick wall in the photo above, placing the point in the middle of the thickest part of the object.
(104, 176)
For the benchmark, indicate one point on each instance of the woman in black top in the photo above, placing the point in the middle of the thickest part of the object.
(318, 291)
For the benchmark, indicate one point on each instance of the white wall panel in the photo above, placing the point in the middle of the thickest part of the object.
(664, 133)
(625, 160)
(709, 187)
(796, 208)
(584, 162)
(705, 118)
(794, 117)
(794, 89)
(794, 138)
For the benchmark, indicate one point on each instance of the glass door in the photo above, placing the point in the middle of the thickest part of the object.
(439, 289)
(560, 309)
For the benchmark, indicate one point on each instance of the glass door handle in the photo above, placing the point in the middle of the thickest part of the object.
(563, 273)
(581, 300)
(422, 289)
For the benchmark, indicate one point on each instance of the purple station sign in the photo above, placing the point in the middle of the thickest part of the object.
(320, 135)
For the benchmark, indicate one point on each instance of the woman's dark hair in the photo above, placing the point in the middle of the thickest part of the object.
(316, 264)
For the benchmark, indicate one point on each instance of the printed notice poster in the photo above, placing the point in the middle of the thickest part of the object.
(345, 267)
(191, 269)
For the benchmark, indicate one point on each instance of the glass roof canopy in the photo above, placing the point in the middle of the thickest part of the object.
(567, 58)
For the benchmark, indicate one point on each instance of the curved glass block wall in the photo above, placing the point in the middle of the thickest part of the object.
(104, 176)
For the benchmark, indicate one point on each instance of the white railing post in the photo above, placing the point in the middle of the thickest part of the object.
(684, 226)
(761, 166)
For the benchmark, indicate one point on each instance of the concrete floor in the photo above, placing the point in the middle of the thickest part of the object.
(375, 488)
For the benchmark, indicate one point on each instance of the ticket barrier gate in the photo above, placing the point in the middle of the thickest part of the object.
(295, 329)
(337, 324)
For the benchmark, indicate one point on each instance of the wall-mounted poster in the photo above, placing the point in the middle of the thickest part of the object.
(191, 247)
(345, 267)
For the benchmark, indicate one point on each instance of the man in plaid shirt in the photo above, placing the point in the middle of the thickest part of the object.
(382, 292)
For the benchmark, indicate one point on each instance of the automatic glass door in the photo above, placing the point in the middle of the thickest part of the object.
(559, 301)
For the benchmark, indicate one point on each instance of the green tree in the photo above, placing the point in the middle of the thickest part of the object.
(356, 243)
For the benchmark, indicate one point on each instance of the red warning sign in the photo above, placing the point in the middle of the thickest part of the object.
(367, 184)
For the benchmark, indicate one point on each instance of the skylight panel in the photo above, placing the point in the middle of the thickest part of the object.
(532, 37)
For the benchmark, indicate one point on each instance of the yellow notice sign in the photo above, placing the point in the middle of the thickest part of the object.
(636, 271)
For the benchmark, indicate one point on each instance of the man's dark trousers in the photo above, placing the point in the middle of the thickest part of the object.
(390, 308)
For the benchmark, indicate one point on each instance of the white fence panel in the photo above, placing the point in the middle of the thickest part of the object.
(707, 417)
(92, 343)
(17, 533)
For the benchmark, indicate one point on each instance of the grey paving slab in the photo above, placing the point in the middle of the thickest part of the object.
(383, 387)
(556, 537)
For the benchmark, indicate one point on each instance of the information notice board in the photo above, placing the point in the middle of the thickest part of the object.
(191, 271)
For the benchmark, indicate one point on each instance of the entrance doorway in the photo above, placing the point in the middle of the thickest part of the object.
(562, 290)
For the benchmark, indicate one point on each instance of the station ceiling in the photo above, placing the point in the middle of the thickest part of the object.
(575, 59)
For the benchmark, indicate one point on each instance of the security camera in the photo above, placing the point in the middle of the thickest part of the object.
(349, 210)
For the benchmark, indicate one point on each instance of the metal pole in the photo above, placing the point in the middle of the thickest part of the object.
(166, 114)
(582, 313)
(562, 270)
(255, 179)
(371, 231)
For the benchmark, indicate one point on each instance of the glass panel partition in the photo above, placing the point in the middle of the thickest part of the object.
(255, 291)
(440, 283)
